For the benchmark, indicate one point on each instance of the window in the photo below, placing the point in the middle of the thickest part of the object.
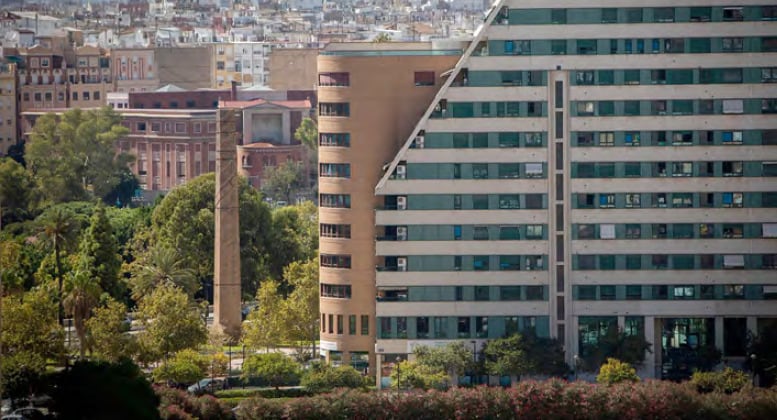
(700, 14)
(733, 261)
(587, 77)
(631, 108)
(334, 109)
(586, 292)
(606, 201)
(732, 199)
(342, 201)
(463, 327)
(336, 291)
(334, 79)
(365, 324)
(659, 231)
(683, 292)
(585, 139)
(334, 139)
(424, 78)
(180, 127)
(585, 108)
(509, 170)
(534, 232)
(633, 231)
(334, 170)
(682, 200)
(141, 126)
(480, 171)
(607, 231)
(732, 44)
(660, 261)
(606, 139)
(731, 14)
(480, 201)
(335, 261)
(633, 200)
(506, 201)
(534, 170)
(732, 168)
(335, 231)
(586, 262)
(585, 231)
(682, 169)
(480, 233)
(663, 14)
(633, 292)
(509, 233)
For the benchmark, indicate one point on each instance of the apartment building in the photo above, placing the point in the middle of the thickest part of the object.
(89, 78)
(244, 62)
(584, 166)
(134, 69)
(42, 79)
(362, 120)
(8, 120)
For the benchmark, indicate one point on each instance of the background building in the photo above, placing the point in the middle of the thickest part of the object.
(8, 111)
(583, 167)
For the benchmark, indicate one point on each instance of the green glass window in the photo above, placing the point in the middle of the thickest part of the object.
(510, 293)
(509, 262)
(633, 292)
(633, 262)
(508, 139)
(607, 262)
(509, 201)
(509, 233)
(631, 108)
(480, 201)
(606, 77)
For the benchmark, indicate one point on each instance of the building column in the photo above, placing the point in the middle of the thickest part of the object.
(653, 357)
(621, 322)
(752, 325)
(719, 332)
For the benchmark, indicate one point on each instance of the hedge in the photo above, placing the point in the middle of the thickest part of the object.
(264, 393)
(550, 399)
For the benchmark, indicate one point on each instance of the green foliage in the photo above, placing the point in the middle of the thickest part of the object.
(30, 336)
(294, 236)
(185, 367)
(240, 393)
(107, 329)
(276, 369)
(764, 346)
(617, 344)
(727, 381)
(73, 155)
(452, 360)
(101, 390)
(184, 221)
(171, 321)
(283, 182)
(322, 377)
(381, 38)
(161, 265)
(265, 327)
(16, 188)
(307, 133)
(525, 354)
(59, 227)
(99, 254)
(416, 375)
(300, 309)
(615, 371)
(82, 294)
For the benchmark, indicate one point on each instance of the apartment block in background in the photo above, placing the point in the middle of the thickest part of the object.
(585, 166)
(134, 69)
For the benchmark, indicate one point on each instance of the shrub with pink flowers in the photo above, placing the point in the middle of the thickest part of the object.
(549, 399)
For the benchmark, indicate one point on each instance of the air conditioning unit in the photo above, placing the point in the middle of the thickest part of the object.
(402, 233)
(402, 264)
(419, 142)
(401, 172)
(402, 203)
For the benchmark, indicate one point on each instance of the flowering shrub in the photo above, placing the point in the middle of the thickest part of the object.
(176, 404)
(550, 399)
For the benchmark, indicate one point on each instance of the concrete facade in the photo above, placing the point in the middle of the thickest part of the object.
(9, 132)
(293, 69)
(583, 167)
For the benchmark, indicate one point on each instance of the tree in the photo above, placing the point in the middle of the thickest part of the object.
(307, 134)
(615, 371)
(265, 326)
(99, 257)
(764, 347)
(301, 307)
(322, 377)
(108, 331)
(294, 237)
(617, 344)
(29, 337)
(73, 156)
(283, 182)
(161, 265)
(16, 188)
(102, 390)
(185, 367)
(507, 356)
(81, 296)
(184, 220)
(276, 369)
(417, 375)
(59, 229)
(171, 322)
(452, 360)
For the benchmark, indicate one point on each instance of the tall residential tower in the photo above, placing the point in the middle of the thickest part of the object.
(585, 165)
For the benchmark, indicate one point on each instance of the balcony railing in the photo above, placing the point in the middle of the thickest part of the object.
(386, 268)
(387, 238)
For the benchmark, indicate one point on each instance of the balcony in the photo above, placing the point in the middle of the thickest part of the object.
(387, 268)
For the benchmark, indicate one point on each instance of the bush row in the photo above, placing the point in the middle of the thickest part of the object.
(264, 393)
(549, 399)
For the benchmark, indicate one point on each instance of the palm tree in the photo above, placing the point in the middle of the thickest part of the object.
(162, 265)
(59, 227)
(83, 294)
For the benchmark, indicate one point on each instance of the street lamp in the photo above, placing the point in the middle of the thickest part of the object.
(752, 366)
(398, 359)
(576, 361)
